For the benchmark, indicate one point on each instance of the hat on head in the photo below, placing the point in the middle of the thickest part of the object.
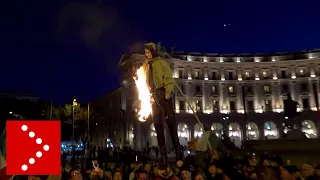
(152, 48)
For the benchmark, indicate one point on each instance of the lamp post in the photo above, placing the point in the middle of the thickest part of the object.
(74, 103)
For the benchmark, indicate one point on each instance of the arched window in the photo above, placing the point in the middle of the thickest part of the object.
(198, 131)
(270, 130)
(153, 136)
(183, 133)
(235, 133)
(309, 128)
(217, 128)
(252, 131)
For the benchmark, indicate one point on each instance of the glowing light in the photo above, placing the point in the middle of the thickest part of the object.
(278, 110)
(144, 94)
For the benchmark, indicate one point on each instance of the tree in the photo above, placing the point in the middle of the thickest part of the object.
(80, 113)
(80, 120)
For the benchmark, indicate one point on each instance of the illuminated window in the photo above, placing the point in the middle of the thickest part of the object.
(231, 89)
(266, 89)
(268, 105)
(198, 105)
(196, 75)
(247, 75)
(215, 106)
(302, 73)
(265, 74)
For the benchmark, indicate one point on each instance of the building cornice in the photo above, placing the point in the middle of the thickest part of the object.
(262, 81)
(302, 62)
(139, 58)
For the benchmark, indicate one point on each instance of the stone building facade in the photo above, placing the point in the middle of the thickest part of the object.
(243, 93)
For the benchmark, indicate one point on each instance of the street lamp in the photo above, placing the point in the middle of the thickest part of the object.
(74, 103)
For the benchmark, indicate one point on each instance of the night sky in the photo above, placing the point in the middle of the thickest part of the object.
(71, 48)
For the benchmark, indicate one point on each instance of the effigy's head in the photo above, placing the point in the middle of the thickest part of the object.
(150, 50)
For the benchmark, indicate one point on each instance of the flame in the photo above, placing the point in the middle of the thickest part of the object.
(144, 94)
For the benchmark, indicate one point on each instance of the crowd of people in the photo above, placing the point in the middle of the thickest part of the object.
(116, 164)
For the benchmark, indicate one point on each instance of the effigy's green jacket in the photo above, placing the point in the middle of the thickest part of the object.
(162, 74)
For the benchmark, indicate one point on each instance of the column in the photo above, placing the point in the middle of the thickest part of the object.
(276, 91)
(312, 71)
(293, 72)
(184, 73)
(244, 129)
(222, 74)
(191, 131)
(189, 94)
(240, 105)
(312, 98)
(222, 92)
(293, 90)
(204, 74)
(239, 74)
(261, 131)
(257, 97)
(318, 91)
(137, 136)
(205, 98)
(189, 72)
(257, 73)
(274, 73)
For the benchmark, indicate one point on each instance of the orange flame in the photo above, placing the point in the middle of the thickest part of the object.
(144, 95)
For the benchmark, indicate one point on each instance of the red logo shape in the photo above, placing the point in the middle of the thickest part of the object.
(33, 147)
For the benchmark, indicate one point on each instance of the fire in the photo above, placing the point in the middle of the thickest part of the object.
(144, 94)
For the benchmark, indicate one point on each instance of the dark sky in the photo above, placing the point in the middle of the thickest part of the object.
(65, 47)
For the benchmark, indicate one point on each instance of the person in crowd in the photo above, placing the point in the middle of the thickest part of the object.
(75, 174)
(142, 175)
(307, 172)
(185, 173)
(288, 172)
(317, 171)
(117, 175)
(213, 173)
(268, 173)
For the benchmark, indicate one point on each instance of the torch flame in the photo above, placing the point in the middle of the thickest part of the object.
(144, 94)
